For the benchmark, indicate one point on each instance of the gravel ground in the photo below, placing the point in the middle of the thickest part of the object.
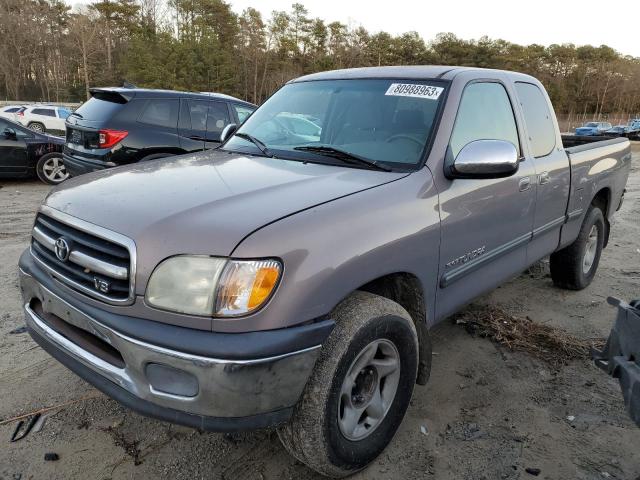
(487, 412)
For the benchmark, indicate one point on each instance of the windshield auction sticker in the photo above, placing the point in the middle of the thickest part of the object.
(414, 90)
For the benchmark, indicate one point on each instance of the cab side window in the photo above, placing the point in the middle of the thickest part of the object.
(485, 113)
(537, 117)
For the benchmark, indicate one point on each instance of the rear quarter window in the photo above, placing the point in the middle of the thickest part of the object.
(160, 113)
(537, 118)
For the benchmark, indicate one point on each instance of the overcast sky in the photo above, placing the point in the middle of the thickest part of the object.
(535, 21)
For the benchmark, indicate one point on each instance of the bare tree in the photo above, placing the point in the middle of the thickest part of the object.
(84, 30)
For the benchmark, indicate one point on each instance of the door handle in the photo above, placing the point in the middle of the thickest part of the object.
(197, 137)
(525, 184)
(543, 178)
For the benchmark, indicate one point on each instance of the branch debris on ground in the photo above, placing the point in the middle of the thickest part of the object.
(551, 344)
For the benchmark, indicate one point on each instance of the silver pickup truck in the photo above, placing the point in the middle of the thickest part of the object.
(291, 277)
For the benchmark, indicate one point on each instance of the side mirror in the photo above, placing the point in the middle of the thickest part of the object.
(228, 131)
(485, 159)
(9, 133)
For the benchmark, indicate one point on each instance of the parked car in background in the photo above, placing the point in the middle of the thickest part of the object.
(633, 129)
(285, 124)
(118, 126)
(593, 128)
(9, 112)
(43, 118)
(25, 153)
(617, 131)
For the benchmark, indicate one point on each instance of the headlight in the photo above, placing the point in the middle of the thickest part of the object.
(202, 285)
(185, 284)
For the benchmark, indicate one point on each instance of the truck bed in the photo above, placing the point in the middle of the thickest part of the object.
(569, 141)
(597, 164)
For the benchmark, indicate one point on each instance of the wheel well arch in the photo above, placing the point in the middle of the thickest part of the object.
(407, 290)
(602, 200)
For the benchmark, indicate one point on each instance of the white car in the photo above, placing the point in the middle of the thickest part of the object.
(9, 112)
(43, 118)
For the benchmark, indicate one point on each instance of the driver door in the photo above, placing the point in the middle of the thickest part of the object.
(13, 151)
(485, 223)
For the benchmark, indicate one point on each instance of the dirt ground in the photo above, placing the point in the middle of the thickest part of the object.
(487, 412)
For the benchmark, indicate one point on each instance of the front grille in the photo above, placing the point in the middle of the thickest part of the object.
(91, 264)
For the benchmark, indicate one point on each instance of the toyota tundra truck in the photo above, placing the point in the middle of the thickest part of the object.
(290, 279)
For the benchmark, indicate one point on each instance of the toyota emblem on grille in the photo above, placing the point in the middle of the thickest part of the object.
(62, 249)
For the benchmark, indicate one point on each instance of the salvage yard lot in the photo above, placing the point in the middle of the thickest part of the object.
(487, 412)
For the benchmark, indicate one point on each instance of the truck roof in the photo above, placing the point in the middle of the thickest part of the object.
(409, 72)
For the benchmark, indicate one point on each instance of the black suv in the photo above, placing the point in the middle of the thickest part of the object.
(117, 126)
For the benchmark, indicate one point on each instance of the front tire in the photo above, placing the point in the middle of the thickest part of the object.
(359, 390)
(574, 267)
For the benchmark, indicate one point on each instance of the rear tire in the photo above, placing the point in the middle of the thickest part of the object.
(355, 398)
(37, 127)
(51, 170)
(574, 267)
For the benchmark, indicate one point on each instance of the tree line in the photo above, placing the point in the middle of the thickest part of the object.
(49, 52)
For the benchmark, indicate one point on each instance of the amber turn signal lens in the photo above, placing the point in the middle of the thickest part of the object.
(265, 282)
(246, 285)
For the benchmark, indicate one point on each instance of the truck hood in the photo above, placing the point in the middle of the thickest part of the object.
(203, 203)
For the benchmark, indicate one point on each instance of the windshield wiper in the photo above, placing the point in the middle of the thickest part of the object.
(75, 114)
(258, 143)
(343, 155)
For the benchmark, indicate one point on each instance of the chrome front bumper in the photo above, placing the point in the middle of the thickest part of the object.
(222, 388)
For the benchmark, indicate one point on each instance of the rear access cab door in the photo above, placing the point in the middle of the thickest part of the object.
(552, 179)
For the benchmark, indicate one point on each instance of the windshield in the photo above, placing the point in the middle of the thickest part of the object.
(384, 121)
(591, 124)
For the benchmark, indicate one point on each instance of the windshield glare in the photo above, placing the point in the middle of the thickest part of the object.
(385, 121)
